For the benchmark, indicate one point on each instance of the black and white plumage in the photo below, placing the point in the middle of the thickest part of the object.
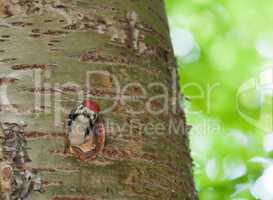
(81, 125)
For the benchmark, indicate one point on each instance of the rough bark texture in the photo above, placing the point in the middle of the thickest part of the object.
(55, 43)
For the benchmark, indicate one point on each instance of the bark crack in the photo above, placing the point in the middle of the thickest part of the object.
(17, 179)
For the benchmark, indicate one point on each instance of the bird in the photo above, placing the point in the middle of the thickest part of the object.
(85, 131)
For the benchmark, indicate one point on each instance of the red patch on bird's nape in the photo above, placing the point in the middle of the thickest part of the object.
(92, 105)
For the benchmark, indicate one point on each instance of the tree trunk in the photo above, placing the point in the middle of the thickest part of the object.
(54, 54)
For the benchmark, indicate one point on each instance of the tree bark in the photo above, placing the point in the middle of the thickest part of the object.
(54, 54)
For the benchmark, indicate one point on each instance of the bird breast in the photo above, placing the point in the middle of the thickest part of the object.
(78, 130)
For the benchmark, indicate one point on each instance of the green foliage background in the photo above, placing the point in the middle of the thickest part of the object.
(223, 142)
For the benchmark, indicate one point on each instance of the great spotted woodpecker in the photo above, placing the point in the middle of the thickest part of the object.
(85, 131)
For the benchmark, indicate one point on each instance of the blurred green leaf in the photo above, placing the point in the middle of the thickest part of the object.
(230, 44)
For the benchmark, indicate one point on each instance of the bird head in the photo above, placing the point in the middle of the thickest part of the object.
(91, 110)
(91, 105)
